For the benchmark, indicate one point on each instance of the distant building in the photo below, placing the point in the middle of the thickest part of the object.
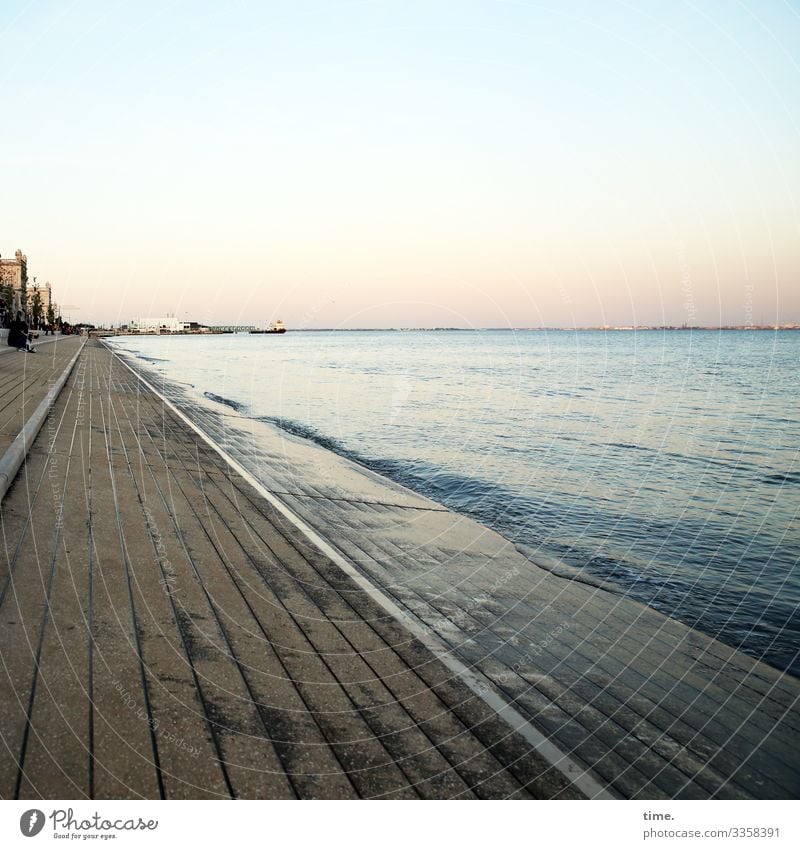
(12, 273)
(168, 324)
(11, 270)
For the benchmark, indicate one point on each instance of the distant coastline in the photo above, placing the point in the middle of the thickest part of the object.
(759, 327)
(609, 329)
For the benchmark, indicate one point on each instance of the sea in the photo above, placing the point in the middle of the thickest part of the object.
(662, 463)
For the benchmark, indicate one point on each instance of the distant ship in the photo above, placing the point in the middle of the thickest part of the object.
(275, 327)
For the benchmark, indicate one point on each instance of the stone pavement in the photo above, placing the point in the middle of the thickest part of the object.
(165, 632)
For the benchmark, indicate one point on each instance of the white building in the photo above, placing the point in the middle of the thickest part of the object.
(167, 324)
(12, 273)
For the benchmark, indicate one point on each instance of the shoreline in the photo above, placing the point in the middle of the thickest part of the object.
(433, 564)
(549, 561)
(657, 592)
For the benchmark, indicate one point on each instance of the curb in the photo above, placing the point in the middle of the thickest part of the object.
(12, 460)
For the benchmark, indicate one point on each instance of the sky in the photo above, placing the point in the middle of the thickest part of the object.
(403, 163)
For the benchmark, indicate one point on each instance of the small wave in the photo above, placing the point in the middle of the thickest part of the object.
(780, 478)
(472, 496)
(306, 432)
(235, 405)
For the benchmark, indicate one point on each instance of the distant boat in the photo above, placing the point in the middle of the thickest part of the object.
(275, 327)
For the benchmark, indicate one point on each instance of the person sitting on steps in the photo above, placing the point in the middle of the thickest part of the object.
(18, 335)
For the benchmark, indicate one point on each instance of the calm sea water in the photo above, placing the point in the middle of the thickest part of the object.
(666, 463)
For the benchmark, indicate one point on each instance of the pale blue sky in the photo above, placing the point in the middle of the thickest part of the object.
(406, 163)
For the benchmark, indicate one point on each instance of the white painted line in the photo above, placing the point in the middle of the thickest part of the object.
(482, 686)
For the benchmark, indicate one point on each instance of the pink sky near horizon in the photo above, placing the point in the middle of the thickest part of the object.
(403, 165)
